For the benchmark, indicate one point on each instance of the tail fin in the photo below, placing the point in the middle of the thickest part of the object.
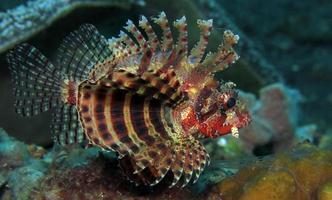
(37, 82)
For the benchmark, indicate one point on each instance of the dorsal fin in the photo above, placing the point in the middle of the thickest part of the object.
(132, 47)
(182, 43)
(143, 45)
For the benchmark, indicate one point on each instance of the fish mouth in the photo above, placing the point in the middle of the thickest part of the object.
(243, 121)
(234, 121)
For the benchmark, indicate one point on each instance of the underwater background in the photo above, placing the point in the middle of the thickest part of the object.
(284, 74)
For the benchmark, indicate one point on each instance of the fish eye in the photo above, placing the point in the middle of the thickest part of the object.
(231, 102)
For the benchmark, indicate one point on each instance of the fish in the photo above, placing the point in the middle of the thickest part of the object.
(141, 94)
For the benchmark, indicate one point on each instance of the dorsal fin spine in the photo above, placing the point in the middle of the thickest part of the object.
(182, 43)
(132, 47)
(220, 60)
(181, 51)
(167, 41)
(143, 44)
(131, 28)
(198, 51)
(226, 54)
(117, 47)
(153, 39)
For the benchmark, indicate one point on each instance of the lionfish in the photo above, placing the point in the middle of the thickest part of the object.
(144, 97)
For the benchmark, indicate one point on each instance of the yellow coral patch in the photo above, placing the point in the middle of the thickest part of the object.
(302, 174)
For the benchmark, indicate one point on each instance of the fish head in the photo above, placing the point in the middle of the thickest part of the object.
(220, 111)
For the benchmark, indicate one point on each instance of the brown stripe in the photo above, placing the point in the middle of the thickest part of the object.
(99, 114)
(84, 111)
(112, 141)
(97, 105)
(117, 116)
(137, 120)
(127, 119)
(155, 117)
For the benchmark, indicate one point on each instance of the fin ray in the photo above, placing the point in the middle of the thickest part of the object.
(37, 82)
(81, 51)
(66, 126)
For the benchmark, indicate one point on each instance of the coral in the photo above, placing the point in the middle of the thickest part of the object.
(22, 22)
(30, 172)
(99, 180)
(325, 140)
(19, 170)
(303, 173)
(325, 191)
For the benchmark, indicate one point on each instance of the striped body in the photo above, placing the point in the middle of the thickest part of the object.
(121, 119)
(148, 99)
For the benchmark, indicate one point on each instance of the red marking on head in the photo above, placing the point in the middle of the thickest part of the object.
(215, 126)
(189, 119)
